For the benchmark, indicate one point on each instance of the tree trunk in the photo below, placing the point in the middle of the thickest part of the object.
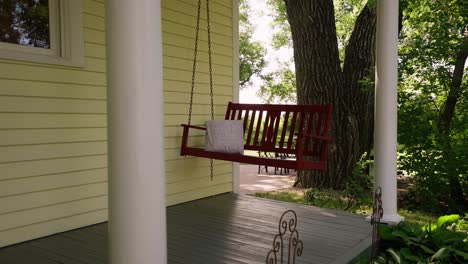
(320, 80)
(456, 190)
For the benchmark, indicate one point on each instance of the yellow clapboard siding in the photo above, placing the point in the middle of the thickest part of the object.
(42, 214)
(174, 142)
(94, 22)
(218, 13)
(216, 4)
(16, 170)
(94, 8)
(176, 131)
(51, 105)
(200, 88)
(187, 163)
(181, 98)
(174, 155)
(53, 226)
(172, 74)
(197, 109)
(53, 162)
(183, 175)
(94, 36)
(94, 50)
(198, 194)
(197, 119)
(185, 53)
(171, 142)
(220, 7)
(90, 65)
(187, 65)
(50, 151)
(174, 39)
(54, 181)
(50, 74)
(13, 120)
(43, 89)
(95, 65)
(179, 29)
(198, 183)
(45, 198)
(44, 136)
(177, 17)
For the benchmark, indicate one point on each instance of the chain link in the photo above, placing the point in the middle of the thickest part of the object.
(211, 71)
(209, 56)
(195, 53)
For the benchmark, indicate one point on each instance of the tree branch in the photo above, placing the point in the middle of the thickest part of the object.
(455, 89)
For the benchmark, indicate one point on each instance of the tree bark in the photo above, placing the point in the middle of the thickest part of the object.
(445, 120)
(320, 80)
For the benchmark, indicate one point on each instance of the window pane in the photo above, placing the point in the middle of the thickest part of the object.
(25, 22)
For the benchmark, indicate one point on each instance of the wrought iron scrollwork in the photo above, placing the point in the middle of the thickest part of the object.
(377, 214)
(288, 222)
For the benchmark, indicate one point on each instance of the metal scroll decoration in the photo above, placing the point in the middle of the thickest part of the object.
(288, 222)
(377, 214)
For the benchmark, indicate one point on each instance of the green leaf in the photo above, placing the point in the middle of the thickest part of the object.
(429, 228)
(461, 253)
(426, 249)
(446, 219)
(408, 255)
(386, 232)
(401, 234)
(395, 255)
(440, 253)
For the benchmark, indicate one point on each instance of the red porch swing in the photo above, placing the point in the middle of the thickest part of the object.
(299, 130)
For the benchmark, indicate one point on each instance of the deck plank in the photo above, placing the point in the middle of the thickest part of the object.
(228, 228)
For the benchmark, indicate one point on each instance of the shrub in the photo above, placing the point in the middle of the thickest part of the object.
(443, 242)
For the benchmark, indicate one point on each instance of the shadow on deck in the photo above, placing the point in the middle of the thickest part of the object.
(226, 228)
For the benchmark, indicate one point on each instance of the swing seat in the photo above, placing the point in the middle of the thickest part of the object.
(299, 130)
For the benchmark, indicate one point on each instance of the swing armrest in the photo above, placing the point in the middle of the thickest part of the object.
(186, 135)
(299, 142)
(192, 126)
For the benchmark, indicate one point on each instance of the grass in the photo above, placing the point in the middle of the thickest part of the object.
(335, 200)
(287, 196)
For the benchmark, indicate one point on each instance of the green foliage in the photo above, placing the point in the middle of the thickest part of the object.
(251, 53)
(280, 86)
(359, 186)
(346, 12)
(433, 243)
(356, 197)
(282, 35)
(431, 39)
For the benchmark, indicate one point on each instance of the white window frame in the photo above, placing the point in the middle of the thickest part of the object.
(66, 38)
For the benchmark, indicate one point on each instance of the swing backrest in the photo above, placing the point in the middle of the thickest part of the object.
(275, 128)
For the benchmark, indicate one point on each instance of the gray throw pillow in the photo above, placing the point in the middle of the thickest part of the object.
(225, 136)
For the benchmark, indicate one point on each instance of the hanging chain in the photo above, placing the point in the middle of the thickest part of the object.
(195, 53)
(194, 63)
(211, 72)
(209, 56)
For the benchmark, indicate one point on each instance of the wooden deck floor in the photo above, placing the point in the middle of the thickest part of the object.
(227, 228)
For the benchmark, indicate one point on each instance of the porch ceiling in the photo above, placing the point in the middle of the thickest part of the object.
(226, 228)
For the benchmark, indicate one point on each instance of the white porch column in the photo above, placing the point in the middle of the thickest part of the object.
(235, 83)
(137, 209)
(386, 108)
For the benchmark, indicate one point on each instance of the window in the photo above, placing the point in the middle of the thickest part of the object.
(48, 31)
